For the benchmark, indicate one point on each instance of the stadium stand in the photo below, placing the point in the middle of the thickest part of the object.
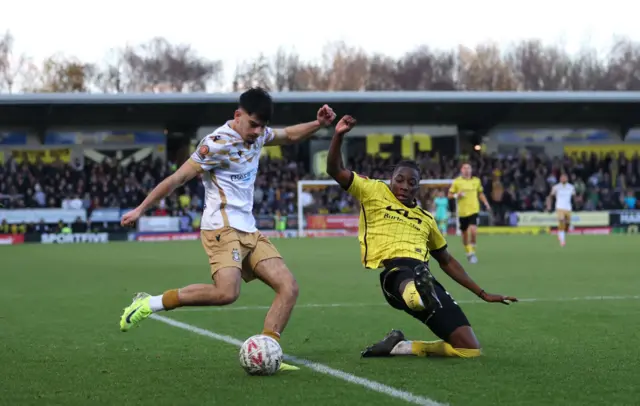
(511, 183)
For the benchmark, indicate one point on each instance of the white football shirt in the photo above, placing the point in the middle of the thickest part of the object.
(230, 166)
(563, 195)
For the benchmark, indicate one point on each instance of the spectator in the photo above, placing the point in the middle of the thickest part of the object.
(39, 197)
(72, 203)
(629, 200)
(185, 198)
(514, 183)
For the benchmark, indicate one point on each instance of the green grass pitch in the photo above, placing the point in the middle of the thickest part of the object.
(575, 342)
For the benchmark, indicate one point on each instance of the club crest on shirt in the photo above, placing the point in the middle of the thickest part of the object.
(235, 255)
(203, 151)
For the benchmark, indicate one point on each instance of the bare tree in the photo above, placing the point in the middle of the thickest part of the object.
(156, 66)
(109, 76)
(345, 67)
(382, 73)
(6, 49)
(540, 67)
(588, 72)
(256, 72)
(623, 70)
(289, 73)
(160, 66)
(11, 65)
(312, 77)
(61, 74)
(422, 68)
(484, 68)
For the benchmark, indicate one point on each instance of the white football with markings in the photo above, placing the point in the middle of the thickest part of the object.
(261, 355)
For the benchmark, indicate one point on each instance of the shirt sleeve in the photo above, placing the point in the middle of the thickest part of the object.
(269, 135)
(211, 153)
(436, 239)
(454, 187)
(362, 188)
(480, 188)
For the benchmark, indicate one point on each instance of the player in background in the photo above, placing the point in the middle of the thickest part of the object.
(398, 236)
(441, 208)
(467, 189)
(563, 193)
(228, 161)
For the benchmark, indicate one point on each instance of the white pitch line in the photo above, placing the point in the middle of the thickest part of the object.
(341, 305)
(323, 369)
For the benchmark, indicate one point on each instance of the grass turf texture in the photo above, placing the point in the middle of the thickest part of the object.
(60, 343)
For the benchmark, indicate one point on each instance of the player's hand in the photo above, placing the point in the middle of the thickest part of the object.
(345, 125)
(326, 116)
(491, 298)
(129, 219)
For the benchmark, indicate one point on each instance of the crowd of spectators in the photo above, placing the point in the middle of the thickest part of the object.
(511, 183)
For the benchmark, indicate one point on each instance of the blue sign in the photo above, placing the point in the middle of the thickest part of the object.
(104, 137)
(13, 138)
(105, 215)
(542, 135)
(633, 135)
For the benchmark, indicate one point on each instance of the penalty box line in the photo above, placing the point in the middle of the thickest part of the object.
(341, 305)
(323, 369)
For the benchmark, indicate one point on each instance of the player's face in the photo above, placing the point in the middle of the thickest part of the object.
(405, 184)
(248, 126)
(466, 170)
(564, 178)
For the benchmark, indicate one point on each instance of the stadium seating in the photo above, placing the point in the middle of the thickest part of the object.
(511, 184)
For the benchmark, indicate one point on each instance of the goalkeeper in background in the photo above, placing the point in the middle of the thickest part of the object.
(441, 208)
(397, 235)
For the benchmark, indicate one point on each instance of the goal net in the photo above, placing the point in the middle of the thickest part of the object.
(325, 210)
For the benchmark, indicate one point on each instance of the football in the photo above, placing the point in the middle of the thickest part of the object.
(261, 355)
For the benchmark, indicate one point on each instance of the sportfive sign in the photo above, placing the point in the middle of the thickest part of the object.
(91, 238)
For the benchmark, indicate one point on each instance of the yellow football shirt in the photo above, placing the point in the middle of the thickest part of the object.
(388, 229)
(468, 204)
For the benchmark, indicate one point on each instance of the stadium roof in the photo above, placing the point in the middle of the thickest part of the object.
(327, 97)
(473, 110)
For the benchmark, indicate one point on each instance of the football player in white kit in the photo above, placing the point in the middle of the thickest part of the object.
(228, 161)
(563, 193)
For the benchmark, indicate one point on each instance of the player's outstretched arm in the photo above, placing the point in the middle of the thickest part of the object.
(454, 269)
(185, 173)
(335, 166)
(300, 132)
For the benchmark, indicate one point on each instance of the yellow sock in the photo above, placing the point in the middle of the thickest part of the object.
(170, 299)
(272, 334)
(412, 297)
(470, 249)
(442, 349)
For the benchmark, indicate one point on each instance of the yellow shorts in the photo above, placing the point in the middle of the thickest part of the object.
(231, 248)
(564, 216)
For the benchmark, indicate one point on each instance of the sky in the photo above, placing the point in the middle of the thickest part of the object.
(235, 31)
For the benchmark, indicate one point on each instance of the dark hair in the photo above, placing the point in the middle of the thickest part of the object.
(407, 164)
(257, 101)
